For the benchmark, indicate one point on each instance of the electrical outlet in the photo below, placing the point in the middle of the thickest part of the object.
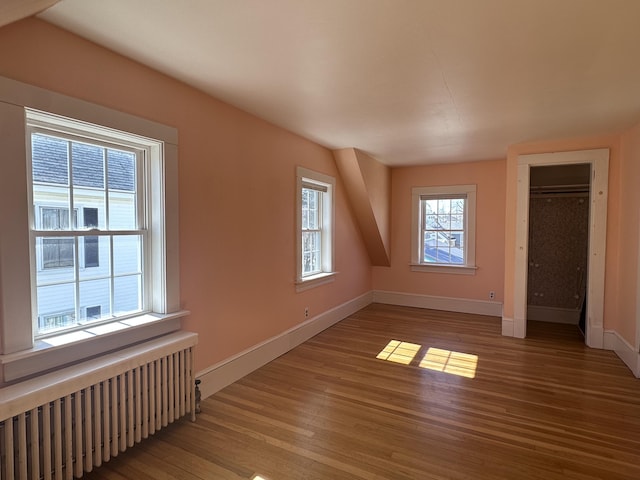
(492, 294)
(306, 312)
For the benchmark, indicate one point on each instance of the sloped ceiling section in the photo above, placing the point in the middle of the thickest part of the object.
(368, 185)
(409, 82)
(14, 10)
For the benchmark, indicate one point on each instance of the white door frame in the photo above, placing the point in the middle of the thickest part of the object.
(636, 372)
(599, 161)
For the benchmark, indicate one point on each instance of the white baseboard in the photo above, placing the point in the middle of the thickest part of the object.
(218, 376)
(553, 314)
(631, 358)
(462, 305)
(507, 327)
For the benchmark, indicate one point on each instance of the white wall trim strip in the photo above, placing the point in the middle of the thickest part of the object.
(218, 376)
(507, 327)
(622, 348)
(462, 305)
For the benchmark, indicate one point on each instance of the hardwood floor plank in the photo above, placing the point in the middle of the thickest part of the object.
(544, 407)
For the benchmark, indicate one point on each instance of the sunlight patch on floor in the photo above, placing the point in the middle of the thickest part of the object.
(455, 363)
(437, 359)
(399, 352)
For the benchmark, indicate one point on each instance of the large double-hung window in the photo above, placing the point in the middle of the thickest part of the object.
(89, 259)
(89, 236)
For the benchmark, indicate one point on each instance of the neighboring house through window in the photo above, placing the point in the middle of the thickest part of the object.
(315, 228)
(443, 229)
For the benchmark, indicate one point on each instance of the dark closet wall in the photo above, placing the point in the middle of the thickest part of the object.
(558, 242)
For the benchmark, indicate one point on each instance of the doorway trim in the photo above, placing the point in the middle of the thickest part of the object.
(598, 196)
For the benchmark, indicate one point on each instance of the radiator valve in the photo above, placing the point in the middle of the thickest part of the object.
(198, 396)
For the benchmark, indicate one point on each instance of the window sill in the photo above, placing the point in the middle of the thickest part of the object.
(315, 281)
(441, 268)
(53, 352)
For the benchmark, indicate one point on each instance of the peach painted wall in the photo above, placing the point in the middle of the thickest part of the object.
(237, 191)
(625, 322)
(489, 176)
(377, 178)
(612, 142)
(368, 183)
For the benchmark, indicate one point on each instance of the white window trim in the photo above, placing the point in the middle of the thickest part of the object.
(149, 159)
(304, 175)
(416, 264)
(20, 355)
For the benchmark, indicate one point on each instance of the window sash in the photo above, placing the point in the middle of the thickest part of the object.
(442, 244)
(83, 240)
(312, 228)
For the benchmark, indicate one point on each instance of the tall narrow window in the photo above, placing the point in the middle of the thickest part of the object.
(315, 227)
(90, 235)
(443, 228)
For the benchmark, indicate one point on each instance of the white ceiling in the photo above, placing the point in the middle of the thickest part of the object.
(406, 81)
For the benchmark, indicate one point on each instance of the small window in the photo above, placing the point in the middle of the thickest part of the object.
(443, 228)
(315, 227)
(94, 313)
(56, 321)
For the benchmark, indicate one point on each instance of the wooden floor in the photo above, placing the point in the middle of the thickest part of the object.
(545, 407)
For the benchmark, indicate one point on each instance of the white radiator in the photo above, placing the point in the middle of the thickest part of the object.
(65, 423)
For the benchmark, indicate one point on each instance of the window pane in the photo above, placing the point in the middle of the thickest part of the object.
(430, 247)
(457, 222)
(444, 222)
(311, 252)
(432, 222)
(122, 211)
(444, 206)
(49, 162)
(442, 255)
(457, 205)
(122, 170)
(56, 306)
(310, 209)
(88, 165)
(127, 254)
(127, 295)
(95, 293)
(431, 206)
(57, 252)
(94, 254)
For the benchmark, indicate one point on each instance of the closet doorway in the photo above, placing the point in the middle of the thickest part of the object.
(558, 244)
(598, 161)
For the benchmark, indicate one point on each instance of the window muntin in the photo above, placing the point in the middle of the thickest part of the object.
(315, 227)
(443, 229)
(97, 260)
